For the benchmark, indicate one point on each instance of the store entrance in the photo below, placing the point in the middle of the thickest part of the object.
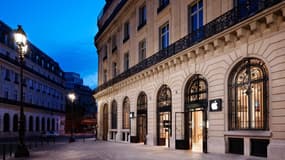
(196, 131)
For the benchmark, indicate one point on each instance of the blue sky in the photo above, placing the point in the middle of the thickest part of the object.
(63, 29)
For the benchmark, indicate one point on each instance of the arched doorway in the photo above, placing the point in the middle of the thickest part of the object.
(31, 124)
(196, 103)
(53, 124)
(6, 123)
(142, 117)
(164, 102)
(105, 122)
(43, 124)
(48, 124)
(15, 123)
(37, 124)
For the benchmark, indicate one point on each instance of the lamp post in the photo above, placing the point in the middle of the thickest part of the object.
(132, 116)
(21, 42)
(71, 97)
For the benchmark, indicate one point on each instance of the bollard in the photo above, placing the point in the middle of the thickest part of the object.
(11, 150)
(4, 151)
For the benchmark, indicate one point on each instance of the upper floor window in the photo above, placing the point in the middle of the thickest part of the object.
(105, 76)
(114, 69)
(114, 43)
(126, 31)
(126, 61)
(248, 95)
(142, 16)
(162, 4)
(142, 50)
(105, 52)
(247, 7)
(195, 16)
(164, 36)
(16, 78)
(7, 75)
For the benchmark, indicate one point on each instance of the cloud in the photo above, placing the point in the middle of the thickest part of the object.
(91, 80)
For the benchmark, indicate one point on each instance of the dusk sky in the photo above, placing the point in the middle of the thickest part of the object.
(63, 29)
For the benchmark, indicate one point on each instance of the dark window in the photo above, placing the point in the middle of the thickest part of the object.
(53, 124)
(126, 31)
(236, 145)
(7, 75)
(248, 100)
(246, 7)
(114, 115)
(258, 147)
(126, 61)
(164, 36)
(43, 124)
(48, 124)
(142, 16)
(114, 69)
(6, 123)
(142, 50)
(16, 78)
(15, 123)
(37, 124)
(31, 124)
(114, 43)
(105, 76)
(162, 4)
(195, 16)
(126, 112)
(105, 53)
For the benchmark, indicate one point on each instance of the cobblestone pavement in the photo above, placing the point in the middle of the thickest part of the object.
(99, 150)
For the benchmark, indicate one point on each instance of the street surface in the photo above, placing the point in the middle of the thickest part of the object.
(101, 150)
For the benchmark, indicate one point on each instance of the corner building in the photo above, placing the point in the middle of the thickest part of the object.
(203, 75)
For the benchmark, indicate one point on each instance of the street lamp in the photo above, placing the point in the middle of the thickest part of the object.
(71, 97)
(21, 43)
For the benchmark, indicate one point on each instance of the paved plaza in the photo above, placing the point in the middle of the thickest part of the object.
(100, 150)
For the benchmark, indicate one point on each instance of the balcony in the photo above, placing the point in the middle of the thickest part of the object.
(225, 21)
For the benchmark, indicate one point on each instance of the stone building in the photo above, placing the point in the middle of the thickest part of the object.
(44, 102)
(203, 75)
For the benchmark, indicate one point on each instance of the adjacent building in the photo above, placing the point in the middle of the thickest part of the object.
(83, 112)
(44, 93)
(203, 75)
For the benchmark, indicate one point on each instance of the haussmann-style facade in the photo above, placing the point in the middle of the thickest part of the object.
(203, 75)
(43, 90)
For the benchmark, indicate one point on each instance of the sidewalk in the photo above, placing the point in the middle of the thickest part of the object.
(99, 150)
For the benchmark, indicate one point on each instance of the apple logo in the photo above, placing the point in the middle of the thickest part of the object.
(214, 105)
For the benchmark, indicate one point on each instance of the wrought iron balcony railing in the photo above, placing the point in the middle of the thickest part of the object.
(230, 18)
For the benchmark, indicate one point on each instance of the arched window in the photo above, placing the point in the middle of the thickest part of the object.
(114, 115)
(31, 123)
(6, 123)
(43, 124)
(248, 88)
(126, 112)
(53, 124)
(142, 102)
(164, 97)
(196, 92)
(15, 123)
(37, 124)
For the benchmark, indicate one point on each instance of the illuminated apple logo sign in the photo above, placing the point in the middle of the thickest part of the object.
(216, 105)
